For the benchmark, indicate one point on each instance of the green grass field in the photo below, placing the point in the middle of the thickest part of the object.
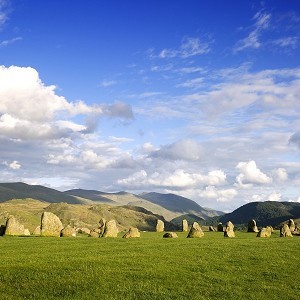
(150, 267)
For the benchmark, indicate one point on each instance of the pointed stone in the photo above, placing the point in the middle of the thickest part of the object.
(50, 224)
(132, 233)
(195, 231)
(229, 230)
(111, 229)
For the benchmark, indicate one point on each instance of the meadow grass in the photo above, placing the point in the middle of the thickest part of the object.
(151, 267)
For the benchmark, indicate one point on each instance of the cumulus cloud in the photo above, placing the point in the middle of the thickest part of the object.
(189, 150)
(280, 174)
(15, 165)
(250, 174)
(221, 195)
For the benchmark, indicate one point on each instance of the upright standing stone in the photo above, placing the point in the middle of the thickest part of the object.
(195, 231)
(50, 224)
(13, 227)
(68, 231)
(285, 231)
(229, 230)
(132, 233)
(291, 225)
(265, 232)
(252, 226)
(185, 225)
(160, 226)
(220, 227)
(111, 229)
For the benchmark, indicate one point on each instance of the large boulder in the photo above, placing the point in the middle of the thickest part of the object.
(195, 231)
(50, 224)
(185, 225)
(265, 232)
(285, 231)
(132, 233)
(13, 227)
(291, 225)
(68, 231)
(229, 230)
(111, 229)
(160, 226)
(252, 226)
(220, 227)
(170, 235)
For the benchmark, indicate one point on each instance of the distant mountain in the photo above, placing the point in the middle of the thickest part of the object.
(89, 194)
(265, 213)
(20, 190)
(180, 205)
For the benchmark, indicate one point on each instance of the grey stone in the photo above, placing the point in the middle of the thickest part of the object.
(195, 231)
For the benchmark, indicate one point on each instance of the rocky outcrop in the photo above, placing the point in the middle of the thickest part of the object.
(252, 226)
(132, 233)
(111, 229)
(195, 231)
(160, 226)
(229, 230)
(50, 225)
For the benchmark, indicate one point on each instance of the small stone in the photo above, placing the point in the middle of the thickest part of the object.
(170, 235)
(132, 233)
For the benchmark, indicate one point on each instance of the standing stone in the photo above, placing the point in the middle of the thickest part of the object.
(102, 223)
(50, 224)
(229, 230)
(68, 231)
(170, 235)
(160, 226)
(285, 231)
(265, 232)
(195, 231)
(211, 228)
(291, 225)
(13, 227)
(220, 227)
(111, 229)
(37, 231)
(252, 226)
(132, 233)
(185, 225)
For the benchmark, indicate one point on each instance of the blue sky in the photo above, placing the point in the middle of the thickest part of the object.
(198, 98)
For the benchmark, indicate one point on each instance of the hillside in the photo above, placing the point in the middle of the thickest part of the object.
(180, 205)
(20, 190)
(29, 211)
(265, 213)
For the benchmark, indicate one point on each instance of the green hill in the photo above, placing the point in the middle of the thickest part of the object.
(265, 213)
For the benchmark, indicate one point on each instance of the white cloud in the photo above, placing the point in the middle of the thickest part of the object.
(281, 174)
(108, 83)
(15, 165)
(221, 195)
(274, 197)
(9, 42)
(188, 48)
(291, 42)
(3, 12)
(249, 174)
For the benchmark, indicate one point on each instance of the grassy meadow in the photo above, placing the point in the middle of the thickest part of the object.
(151, 267)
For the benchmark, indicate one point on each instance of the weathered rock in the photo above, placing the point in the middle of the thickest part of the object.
(160, 226)
(68, 231)
(291, 225)
(84, 230)
(50, 225)
(94, 234)
(220, 227)
(195, 231)
(111, 229)
(26, 232)
(211, 228)
(285, 231)
(37, 231)
(265, 232)
(252, 226)
(13, 227)
(170, 235)
(229, 230)
(132, 233)
(185, 225)
(102, 223)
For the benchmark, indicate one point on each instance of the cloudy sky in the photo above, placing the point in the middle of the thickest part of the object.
(197, 98)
